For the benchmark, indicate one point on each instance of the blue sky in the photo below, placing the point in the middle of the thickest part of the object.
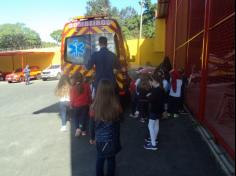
(45, 16)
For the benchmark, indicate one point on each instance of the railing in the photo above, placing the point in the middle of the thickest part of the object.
(25, 48)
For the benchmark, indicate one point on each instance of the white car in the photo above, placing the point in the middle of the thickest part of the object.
(52, 72)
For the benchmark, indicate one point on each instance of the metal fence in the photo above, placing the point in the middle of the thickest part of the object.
(200, 38)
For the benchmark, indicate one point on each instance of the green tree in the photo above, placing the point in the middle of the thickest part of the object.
(128, 12)
(56, 35)
(98, 7)
(128, 18)
(18, 36)
(148, 19)
(129, 21)
(48, 44)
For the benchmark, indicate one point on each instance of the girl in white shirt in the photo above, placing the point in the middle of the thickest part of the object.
(175, 93)
(63, 91)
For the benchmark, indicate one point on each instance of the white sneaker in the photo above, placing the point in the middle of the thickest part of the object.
(136, 113)
(63, 128)
(133, 116)
(176, 115)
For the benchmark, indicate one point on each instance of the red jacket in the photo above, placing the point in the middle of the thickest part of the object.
(82, 99)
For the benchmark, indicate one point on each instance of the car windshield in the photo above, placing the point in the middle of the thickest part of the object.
(79, 49)
(54, 67)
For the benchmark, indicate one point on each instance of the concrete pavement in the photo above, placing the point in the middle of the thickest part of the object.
(31, 143)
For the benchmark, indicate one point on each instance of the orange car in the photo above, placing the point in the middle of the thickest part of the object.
(18, 74)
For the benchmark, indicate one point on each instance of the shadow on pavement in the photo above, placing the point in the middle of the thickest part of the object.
(83, 155)
(54, 108)
(181, 151)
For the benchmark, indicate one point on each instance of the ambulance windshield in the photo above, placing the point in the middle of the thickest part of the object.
(80, 48)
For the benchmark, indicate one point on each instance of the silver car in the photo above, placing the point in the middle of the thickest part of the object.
(52, 72)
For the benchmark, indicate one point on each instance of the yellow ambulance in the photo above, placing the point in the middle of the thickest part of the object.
(80, 40)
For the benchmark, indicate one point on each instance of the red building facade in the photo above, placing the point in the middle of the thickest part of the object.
(200, 39)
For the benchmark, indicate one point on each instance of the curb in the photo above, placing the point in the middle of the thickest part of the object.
(226, 163)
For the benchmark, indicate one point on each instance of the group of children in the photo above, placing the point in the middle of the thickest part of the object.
(101, 108)
(74, 94)
(152, 95)
(155, 96)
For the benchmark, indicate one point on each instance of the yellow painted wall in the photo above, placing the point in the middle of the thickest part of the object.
(43, 60)
(147, 53)
(151, 50)
(57, 57)
(160, 33)
(6, 64)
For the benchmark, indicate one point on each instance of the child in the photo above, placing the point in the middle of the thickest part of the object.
(107, 110)
(175, 93)
(90, 81)
(142, 98)
(183, 87)
(27, 74)
(166, 87)
(62, 91)
(80, 97)
(156, 101)
(134, 95)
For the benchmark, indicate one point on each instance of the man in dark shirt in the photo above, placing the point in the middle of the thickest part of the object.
(105, 63)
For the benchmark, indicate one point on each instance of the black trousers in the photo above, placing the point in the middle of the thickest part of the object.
(174, 104)
(111, 165)
(81, 116)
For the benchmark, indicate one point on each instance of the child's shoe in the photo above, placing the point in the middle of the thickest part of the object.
(63, 128)
(165, 115)
(149, 146)
(77, 132)
(148, 140)
(175, 115)
(92, 142)
(142, 120)
(133, 116)
(83, 133)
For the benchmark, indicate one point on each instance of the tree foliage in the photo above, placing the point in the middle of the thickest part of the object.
(148, 19)
(18, 36)
(56, 35)
(128, 17)
(48, 44)
(129, 21)
(98, 7)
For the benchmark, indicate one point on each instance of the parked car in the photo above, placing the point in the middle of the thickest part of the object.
(52, 72)
(35, 72)
(18, 74)
(2, 76)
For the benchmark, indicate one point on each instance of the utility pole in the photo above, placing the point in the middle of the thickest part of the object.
(141, 3)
